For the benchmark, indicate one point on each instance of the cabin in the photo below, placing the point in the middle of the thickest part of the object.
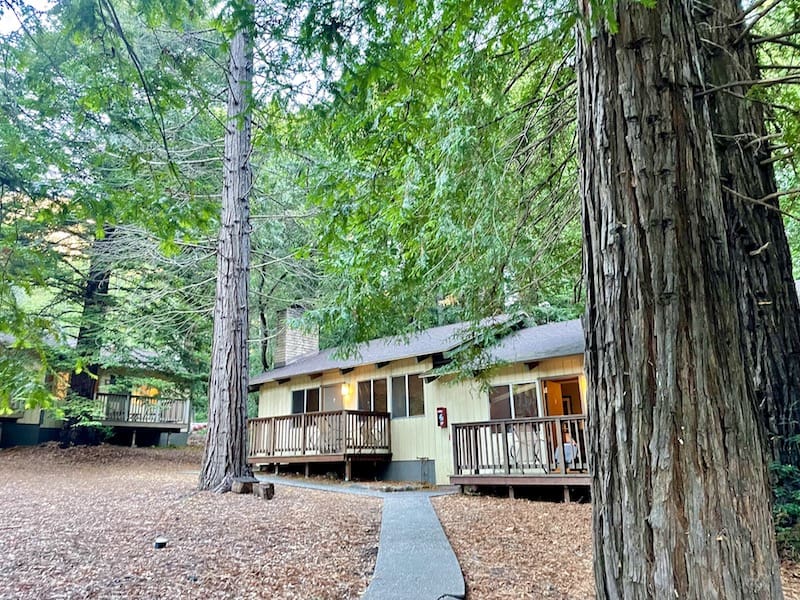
(140, 415)
(395, 406)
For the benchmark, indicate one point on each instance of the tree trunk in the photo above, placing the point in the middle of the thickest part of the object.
(679, 485)
(95, 303)
(88, 347)
(226, 445)
(766, 297)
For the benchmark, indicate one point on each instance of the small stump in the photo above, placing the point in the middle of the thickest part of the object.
(265, 491)
(243, 485)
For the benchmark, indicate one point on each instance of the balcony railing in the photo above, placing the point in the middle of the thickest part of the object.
(317, 435)
(127, 408)
(536, 447)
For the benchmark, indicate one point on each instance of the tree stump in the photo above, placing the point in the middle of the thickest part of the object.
(243, 485)
(265, 491)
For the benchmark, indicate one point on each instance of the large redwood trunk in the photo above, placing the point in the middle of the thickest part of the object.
(766, 298)
(679, 486)
(226, 445)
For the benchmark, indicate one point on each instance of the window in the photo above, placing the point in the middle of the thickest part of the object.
(305, 400)
(408, 398)
(513, 401)
(332, 397)
(372, 395)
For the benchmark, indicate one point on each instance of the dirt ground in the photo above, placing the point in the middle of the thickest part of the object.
(80, 523)
(523, 549)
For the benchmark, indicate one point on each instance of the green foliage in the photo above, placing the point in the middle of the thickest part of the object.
(786, 510)
(22, 381)
(430, 203)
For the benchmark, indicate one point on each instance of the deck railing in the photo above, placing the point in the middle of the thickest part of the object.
(534, 446)
(342, 432)
(127, 408)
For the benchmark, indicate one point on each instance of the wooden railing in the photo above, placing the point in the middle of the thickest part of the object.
(535, 446)
(340, 432)
(127, 408)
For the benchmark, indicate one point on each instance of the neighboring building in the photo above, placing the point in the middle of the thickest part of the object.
(138, 417)
(395, 405)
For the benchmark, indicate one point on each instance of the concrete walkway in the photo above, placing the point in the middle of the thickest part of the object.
(415, 559)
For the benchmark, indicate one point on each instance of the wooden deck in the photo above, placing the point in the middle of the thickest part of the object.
(521, 452)
(143, 412)
(332, 437)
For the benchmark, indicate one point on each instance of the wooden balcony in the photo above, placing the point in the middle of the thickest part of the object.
(336, 436)
(126, 410)
(521, 452)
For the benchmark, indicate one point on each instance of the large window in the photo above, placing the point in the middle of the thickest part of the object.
(408, 399)
(513, 401)
(372, 395)
(305, 401)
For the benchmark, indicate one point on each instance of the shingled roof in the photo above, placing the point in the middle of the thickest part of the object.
(528, 344)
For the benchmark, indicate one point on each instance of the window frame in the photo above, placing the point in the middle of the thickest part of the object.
(305, 391)
(535, 386)
(407, 399)
(371, 383)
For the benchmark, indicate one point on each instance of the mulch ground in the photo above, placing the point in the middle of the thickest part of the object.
(81, 522)
(524, 549)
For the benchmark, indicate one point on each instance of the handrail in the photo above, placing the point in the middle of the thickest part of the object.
(527, 446)
(131, 408)
(339, 432)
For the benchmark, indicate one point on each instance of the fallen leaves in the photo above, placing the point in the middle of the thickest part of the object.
(524, 549)
(81, 522)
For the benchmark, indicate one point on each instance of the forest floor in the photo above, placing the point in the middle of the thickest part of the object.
(81, 523)
(525, 549)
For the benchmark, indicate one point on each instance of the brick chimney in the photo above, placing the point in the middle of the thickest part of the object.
(292, 343)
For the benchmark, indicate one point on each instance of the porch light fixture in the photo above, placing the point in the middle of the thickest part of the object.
(345, 389)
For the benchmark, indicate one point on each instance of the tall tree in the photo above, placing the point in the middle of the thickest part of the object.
(766, 298)
(679, 485)
(225, 454)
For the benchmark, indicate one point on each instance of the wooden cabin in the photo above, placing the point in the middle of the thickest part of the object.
(136, 416)
(394, 406)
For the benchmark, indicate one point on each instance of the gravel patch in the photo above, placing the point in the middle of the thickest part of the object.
(524, 549)
(81, 522)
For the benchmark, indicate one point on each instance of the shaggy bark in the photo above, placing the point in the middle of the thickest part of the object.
(765, 293)
(679, 485)
(225, 454)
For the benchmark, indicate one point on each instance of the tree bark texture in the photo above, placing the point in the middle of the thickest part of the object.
(95, 303)
(226, 445)
(765, 292)
(679, 485)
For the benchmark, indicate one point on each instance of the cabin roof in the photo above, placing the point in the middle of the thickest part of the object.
(526, 344)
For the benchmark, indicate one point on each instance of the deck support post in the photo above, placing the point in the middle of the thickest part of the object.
(276, 468)
(348, 469)
(308, 469)
(511, 492)
(566, 494)
(133, 439)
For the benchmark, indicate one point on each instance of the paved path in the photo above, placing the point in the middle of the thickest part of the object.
(415, 560)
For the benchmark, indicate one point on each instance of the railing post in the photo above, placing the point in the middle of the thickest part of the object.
(562, 464)
(304, 432)
(475, 451)
(271, 448)
(506, 458)
(456, 432)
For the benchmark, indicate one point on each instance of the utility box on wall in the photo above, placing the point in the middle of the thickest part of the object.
(441, 417)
